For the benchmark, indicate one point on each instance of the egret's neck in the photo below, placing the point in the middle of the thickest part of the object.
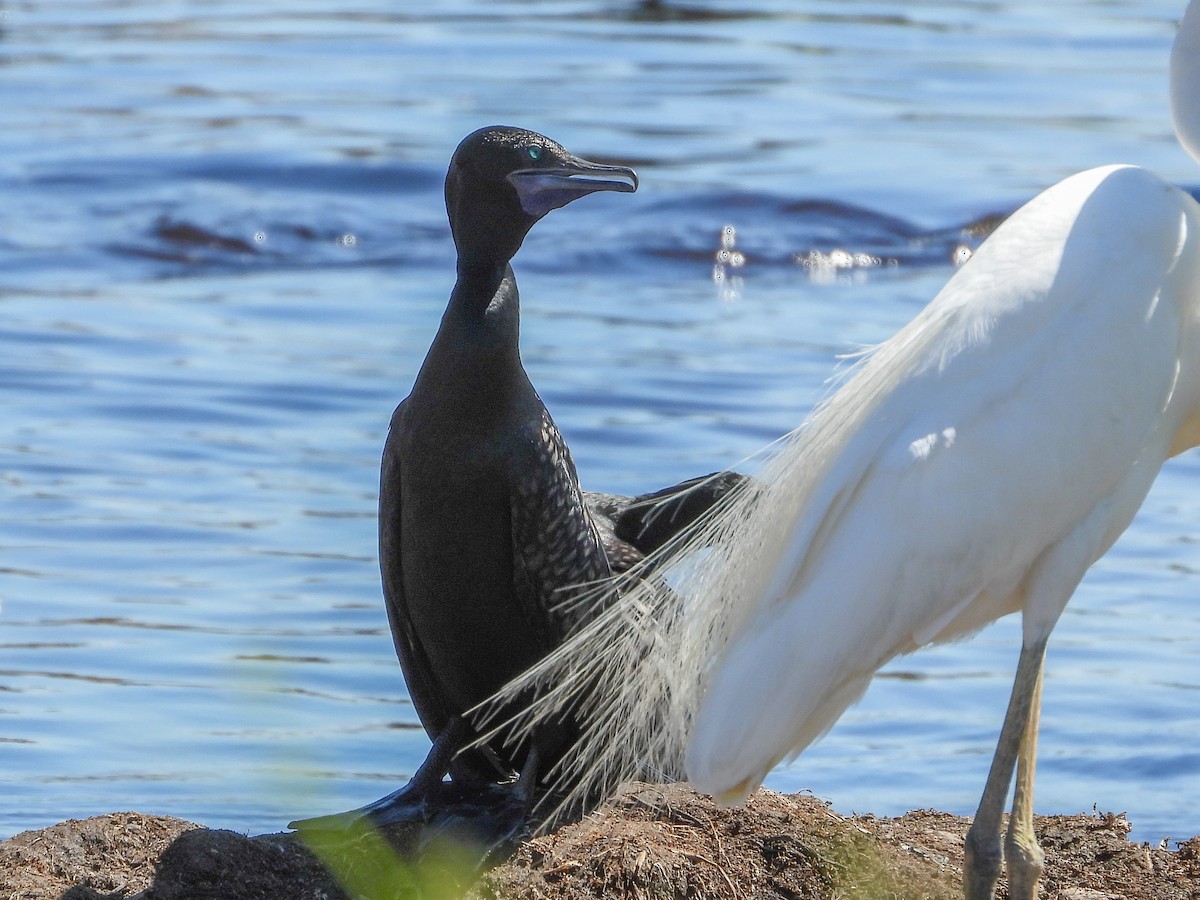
(1185, 81)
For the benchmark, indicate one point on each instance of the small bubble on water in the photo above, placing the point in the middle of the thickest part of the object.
(718, 273)
(731, 290)
(260, 237)
(348, 240)
(728, 236)
(841, 259)
(961, 254)
(825, 265)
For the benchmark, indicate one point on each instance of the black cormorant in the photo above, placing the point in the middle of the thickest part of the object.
(483, 527)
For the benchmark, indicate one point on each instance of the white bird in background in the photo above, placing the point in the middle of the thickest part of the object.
(974, 465)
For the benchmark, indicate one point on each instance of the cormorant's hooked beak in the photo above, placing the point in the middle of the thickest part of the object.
(542, 190)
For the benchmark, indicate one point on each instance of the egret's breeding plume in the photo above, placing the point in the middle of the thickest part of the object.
(974, 465)
(483, 528)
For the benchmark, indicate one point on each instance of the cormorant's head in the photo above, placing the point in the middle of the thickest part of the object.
(503, 179)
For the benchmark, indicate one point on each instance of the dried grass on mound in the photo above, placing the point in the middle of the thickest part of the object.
(647, 842)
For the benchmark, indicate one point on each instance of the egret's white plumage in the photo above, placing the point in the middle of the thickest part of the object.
(974, 465)
(981, 460)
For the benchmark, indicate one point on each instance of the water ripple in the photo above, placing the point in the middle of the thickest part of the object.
(226, 252)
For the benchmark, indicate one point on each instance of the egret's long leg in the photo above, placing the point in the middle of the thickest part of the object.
(1021, 851)
(981, 868)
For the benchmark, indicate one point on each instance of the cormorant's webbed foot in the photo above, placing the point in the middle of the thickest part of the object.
(410, 803)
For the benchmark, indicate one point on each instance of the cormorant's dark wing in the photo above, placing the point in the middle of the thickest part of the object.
(649, 521)
(605, 510)
(423, 688)
(631, 528)
(417, 672)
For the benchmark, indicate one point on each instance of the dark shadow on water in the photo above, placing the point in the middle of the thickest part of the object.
(663, 11)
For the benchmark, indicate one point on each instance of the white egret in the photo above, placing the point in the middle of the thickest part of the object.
(974, 465)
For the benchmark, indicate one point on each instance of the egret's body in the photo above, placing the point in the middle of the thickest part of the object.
(974, 465)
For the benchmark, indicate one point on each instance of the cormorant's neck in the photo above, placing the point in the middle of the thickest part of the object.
(488, 231)
(486, 240)
(482, 321)
(481, 329)
(484, 290)
(476, 352)
(482, 273)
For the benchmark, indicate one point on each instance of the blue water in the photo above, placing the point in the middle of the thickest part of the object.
(223, 254)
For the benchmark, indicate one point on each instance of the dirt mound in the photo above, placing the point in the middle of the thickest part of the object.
(648, 841)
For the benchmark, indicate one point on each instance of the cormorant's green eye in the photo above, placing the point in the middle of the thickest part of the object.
(534, 152)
